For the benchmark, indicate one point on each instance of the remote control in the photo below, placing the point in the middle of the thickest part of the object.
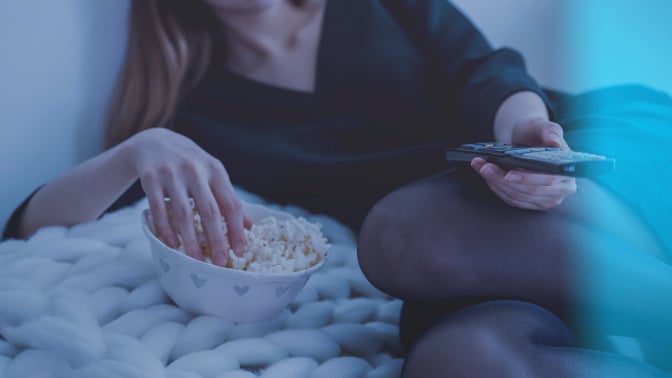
(550, 160)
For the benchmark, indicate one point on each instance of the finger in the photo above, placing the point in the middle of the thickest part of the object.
(231, 210)
(562, 187)
(524, 180)
(512, 200)
(531, 178)
(525, 196)
(524, 201)
(540, 198)
(545, 193)
(553, 136)
(213, 226)
(490, 172)
(183, 219)
(477, 163)
(537, 197)
(247, 222)
(157, 207)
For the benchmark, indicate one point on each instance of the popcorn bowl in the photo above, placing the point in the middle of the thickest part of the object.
(236, 295)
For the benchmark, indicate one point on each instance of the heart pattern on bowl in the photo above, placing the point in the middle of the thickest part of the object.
(241, 290)
(198, 281)
(164, 266)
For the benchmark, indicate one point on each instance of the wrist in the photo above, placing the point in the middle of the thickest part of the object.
(125, 154)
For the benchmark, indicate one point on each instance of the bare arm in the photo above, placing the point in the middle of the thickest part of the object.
(168, 165)
(82, 194)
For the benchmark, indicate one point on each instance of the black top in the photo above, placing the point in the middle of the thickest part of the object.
(396, 81)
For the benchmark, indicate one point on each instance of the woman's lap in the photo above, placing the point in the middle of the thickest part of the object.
(513, 238)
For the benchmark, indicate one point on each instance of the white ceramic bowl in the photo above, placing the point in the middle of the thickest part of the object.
(236, 295)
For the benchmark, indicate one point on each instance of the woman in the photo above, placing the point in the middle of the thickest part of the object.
(331, 105)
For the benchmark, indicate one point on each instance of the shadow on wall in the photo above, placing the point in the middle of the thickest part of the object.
(100, 66)
(529, 26)
(60, 60)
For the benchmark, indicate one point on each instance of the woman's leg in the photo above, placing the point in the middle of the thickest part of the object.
(510, 339)
(590, 260)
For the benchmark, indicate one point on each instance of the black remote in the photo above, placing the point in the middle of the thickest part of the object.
(550, 160)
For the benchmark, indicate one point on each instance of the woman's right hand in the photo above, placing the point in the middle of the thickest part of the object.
(173, 166)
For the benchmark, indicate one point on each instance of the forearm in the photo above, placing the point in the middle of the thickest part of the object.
(80, 195)
(517, 107)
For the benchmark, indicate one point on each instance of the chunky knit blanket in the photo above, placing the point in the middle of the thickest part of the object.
(85, 302)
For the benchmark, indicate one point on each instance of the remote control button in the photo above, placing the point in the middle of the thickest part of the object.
(559, 155)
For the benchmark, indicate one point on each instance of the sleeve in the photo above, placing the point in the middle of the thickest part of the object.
(11, 230)
(473, 74)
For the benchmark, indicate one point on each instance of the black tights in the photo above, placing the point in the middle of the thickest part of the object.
(510, 339)
(495, 291)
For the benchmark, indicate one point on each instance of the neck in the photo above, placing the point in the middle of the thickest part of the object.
(261, 31)
(267, 34)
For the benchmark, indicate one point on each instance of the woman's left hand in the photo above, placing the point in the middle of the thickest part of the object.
(525, 189)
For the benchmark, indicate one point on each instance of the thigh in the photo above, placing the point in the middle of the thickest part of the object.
(460, 203)
(449, 238)
(451, 225)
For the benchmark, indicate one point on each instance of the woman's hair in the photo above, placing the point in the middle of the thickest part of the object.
(169, 49)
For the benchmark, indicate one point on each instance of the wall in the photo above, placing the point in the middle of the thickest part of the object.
(59, 62)
(576, 45)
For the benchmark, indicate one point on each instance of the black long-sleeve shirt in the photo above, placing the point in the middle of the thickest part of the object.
(396, 81)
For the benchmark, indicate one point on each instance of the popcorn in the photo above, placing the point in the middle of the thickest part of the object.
(281, 246)
(272, 245)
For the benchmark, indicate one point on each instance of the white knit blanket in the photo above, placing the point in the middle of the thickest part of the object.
(85, 302)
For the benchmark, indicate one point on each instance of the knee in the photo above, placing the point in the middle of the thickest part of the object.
(402, 242)
(379, 236)
(377, 244)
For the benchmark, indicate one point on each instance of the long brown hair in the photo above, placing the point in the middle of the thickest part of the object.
(169, 50)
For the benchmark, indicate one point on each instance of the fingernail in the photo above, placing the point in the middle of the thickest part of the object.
(486, 170)
(513, 177)
(221, 258)
(238, 248)
(555, 137)
(170, 241)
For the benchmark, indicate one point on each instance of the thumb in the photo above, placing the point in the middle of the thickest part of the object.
(553, 136)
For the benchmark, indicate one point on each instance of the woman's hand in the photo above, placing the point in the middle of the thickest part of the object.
(173, 166)
(524, 189)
